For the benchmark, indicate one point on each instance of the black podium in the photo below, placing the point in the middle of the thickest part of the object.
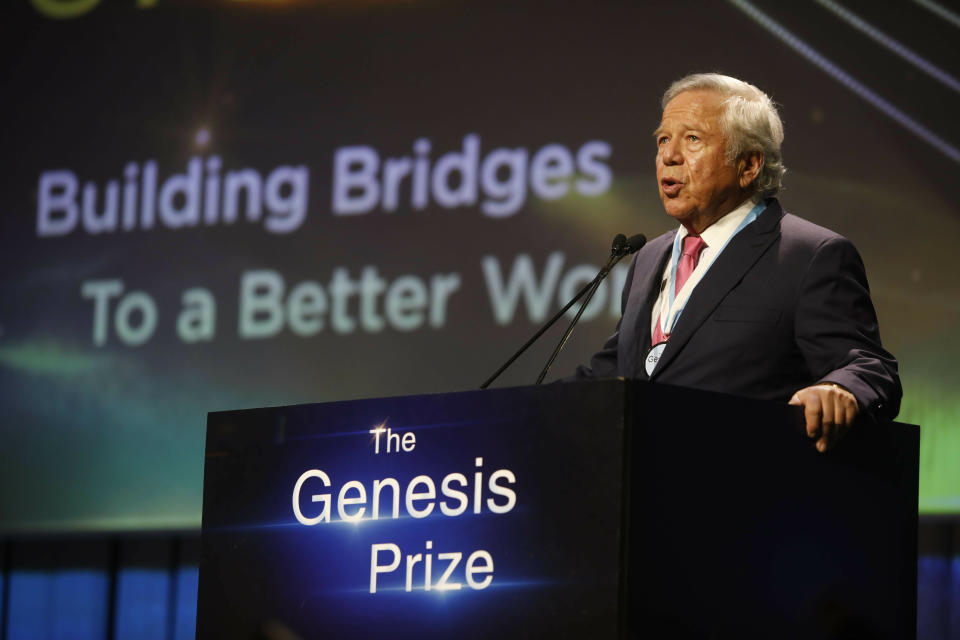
(609, 509)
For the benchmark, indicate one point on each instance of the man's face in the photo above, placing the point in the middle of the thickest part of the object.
(697, 186)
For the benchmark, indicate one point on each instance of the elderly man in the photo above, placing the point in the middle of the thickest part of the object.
(743, 297)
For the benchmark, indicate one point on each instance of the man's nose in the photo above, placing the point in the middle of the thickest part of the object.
(670, 153)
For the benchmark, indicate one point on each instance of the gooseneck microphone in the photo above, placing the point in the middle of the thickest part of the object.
(620, 247)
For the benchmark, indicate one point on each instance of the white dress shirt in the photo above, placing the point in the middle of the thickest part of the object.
(715, 237)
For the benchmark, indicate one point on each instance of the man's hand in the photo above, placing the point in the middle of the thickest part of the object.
(829, 410)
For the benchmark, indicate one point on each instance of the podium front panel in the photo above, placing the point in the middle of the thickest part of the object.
(469, 515)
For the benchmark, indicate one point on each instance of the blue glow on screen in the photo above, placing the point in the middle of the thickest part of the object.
(142, 599)
(185, 622)
(938, 595)
(74, 604)
(62, 605)
(955, 596)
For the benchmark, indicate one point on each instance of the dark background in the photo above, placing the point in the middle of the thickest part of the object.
(109, 439)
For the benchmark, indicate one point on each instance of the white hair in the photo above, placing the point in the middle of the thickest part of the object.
(750, 124)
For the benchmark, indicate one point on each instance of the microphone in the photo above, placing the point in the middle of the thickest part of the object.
(619, 242)
(621, 246)
(635, 243)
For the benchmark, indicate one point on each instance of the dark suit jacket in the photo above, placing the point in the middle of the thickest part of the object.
(784, 306)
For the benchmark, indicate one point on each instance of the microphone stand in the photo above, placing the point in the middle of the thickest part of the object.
(616, 254)
(620, 248)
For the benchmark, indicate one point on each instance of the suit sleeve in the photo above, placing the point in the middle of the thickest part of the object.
(837, 331)
(604, 363)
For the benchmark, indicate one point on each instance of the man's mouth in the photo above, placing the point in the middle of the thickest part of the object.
(670, 186)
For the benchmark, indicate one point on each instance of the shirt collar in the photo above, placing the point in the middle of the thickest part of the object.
(720, 231)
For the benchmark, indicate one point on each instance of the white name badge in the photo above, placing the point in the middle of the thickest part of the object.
(653, 357)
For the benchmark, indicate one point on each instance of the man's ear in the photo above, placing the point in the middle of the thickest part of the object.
(749, 167)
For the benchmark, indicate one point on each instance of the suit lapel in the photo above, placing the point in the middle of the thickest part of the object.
(728, 269)
(635, 327)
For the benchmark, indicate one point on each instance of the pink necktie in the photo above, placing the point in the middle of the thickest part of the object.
(692, 246)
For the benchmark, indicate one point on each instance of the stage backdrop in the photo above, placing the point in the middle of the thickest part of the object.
(218, 205)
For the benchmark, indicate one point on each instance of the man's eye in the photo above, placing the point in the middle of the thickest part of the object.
(693, 138)
(661, 140)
